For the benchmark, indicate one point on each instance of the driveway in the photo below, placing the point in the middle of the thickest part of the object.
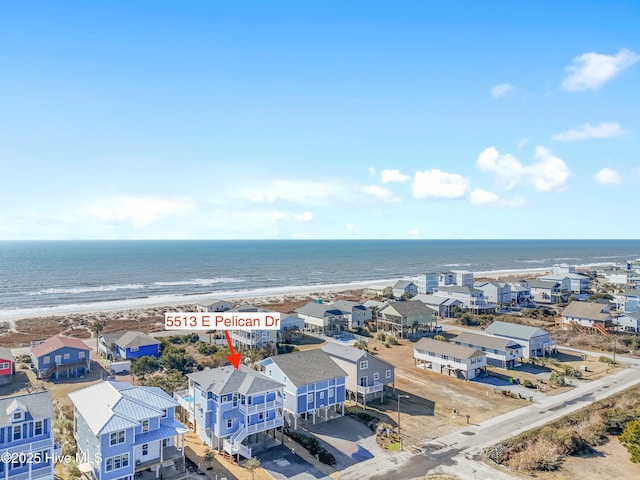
(282, 464)
(348, 440)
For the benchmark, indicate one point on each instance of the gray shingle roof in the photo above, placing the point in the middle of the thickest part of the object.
(403, 284)
(349, 354)
(459, 289)
(38, 404)
(135, 339)
(541, 284)
(408, 309)
(319, 310)
(5, 354)
(446, 348)
(303, 368)
(496, 343)
(227, 379)
(587, 310)
(348, 306)
(514, 330)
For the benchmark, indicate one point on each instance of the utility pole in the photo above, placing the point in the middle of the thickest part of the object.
(399, 435)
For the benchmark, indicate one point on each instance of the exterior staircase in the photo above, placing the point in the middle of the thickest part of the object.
(601, 329)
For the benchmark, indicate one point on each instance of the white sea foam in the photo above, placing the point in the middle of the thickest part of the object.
(200, 281)
(88, 289)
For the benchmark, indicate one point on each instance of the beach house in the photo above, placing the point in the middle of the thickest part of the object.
(128, 345)
(587, 315)
(213, 306)
(26, 427)
(7, 366)
(313, 382)
(535, 341)
(122, 430)
(230, 408)
(440, 306)
(404, 289)
(546, 292)
(628, 322)
(449, 359)
(322, 318)
(472, 298)
(573, 282)
(462, 278)
(367, 375)
(427, 282)
(501, 352)
(405, 318)
(495, 292)
(60, 356)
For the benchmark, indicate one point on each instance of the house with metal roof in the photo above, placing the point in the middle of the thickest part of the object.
(535, 341)
(449, 359)
(440, 306)
(122, 430)
(404, 289)
(60, 356)
(322, 318)
(495, 292)
(472, 298)
(355, 313)
(628, 322)
(26, 427)
(213, 306)
(501, 352)
(229, 408)
(314, 384)
(596, 316)
(128, 345)
(546, 292)
(7, 366)
(405, 318)
(367, 375)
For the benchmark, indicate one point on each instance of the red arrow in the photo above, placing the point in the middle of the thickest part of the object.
(234, 358)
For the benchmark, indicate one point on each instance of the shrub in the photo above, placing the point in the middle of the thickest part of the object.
(206, 349)
(605, 359)
(557, 379)
(381, 336)
(391, 340)
(528, 383)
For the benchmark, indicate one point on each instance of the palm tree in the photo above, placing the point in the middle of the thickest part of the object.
(208, 457)
(98, 327)
(252, 464)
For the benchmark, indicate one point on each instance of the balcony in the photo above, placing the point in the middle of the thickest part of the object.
(185, 400)
(366, 390)
(258, 407)
(169, 456)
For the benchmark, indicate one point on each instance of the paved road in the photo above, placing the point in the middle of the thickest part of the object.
(457, 453)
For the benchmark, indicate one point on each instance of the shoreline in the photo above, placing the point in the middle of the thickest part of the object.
(11, 316)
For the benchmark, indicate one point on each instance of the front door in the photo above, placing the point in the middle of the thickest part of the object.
(363, 381)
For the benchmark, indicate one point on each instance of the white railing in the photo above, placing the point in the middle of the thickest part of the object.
(258, 407)
(376, 387)
(236, 447)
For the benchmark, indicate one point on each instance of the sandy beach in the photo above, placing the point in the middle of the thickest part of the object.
(20, 328)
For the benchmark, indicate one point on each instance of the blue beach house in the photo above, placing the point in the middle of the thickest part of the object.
(26, 426)
(313, 384)
(230, 407)
(122, 430)
(128, 345)
(60, 357)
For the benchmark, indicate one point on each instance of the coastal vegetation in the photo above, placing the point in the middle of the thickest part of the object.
(544, 449)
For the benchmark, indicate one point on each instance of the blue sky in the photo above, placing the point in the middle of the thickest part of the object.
(238, 119)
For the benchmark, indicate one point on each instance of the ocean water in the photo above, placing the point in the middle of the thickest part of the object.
(41, 274)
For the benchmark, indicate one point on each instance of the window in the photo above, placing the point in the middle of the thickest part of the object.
(17, 432)
(261, 416)
(117, 462)
(364, 365)
(445, 357)
(284, 395)
(145, 426)
(225, 398)
(331, 393)
(145, 449)
(17, 416)
(134, 349)
(310, 398)
(37, 428)
(116, 438)
(4, 365)
(230, 423)
(321, 395)
(388, 373)
(164, 413)
(80, 354)
(67, 356)
(45, 360)
(270, 372)
(376, 376)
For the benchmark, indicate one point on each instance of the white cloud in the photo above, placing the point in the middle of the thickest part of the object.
(303, 217)
(372, 171)
(303, 192)
(522, 143)
(591, 70)
(298, 235)
(414, 232)
(480, 197)
(586, 131)
(501, 90)
(141, 211)
(438, 184)
(349, 226)
(607, 176)
(381, 193)
(393, 176)
(548, 173)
